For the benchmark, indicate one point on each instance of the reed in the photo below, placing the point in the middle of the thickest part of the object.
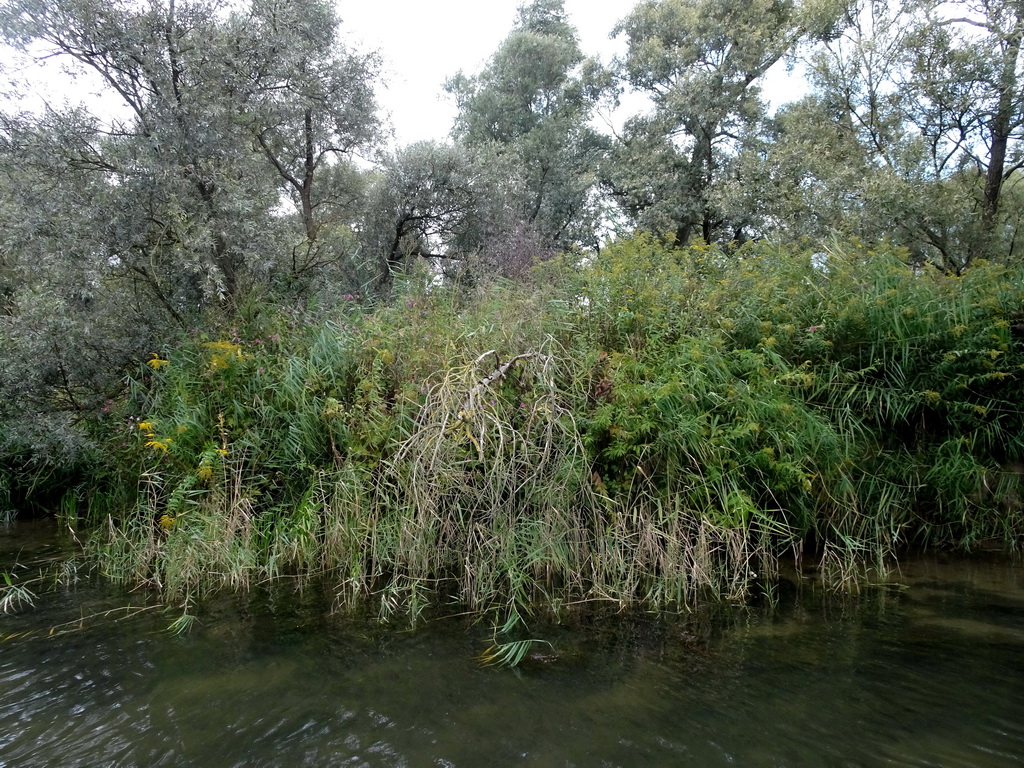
(648, 426)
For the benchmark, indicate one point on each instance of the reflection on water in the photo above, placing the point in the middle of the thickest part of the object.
(924, 672)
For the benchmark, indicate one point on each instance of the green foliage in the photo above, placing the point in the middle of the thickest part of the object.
(642, 423)
(911, 133)
(815, 383)
(533, 102)
(436, 201)
(122, 232)
(699, 62)
(646, 425)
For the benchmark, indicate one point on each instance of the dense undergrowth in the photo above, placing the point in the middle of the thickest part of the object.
(643, 426)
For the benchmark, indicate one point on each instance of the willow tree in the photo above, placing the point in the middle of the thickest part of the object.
(913, 129)
(311, 110)
(965, 94)
(200, 83)
(533, 102)
(123, 229)
(699, 63)
(843, 160)
(447, 203)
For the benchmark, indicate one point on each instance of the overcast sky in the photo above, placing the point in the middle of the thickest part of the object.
(424, 42)
(421, 43)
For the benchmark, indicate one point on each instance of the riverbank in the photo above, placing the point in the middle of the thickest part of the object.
(648, 427)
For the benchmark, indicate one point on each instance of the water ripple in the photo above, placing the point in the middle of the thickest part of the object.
(931, 681)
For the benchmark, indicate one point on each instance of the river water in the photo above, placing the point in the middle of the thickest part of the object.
(927, 670)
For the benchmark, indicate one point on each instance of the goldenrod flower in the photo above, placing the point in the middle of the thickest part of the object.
(156, 363)
(223, 352)
(223, 346)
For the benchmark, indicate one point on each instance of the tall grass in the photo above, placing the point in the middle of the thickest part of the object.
(643, 426)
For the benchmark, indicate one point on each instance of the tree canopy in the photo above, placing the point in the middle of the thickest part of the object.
(248, 163)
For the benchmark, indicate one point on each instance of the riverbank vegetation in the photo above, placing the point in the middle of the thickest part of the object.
(644, 426)
(234, 353)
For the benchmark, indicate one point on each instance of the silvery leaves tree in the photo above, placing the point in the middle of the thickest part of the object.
(220, 169)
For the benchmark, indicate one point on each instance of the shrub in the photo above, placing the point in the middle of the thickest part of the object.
(644, 425)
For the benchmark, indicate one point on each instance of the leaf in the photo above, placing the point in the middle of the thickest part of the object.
(508, 654)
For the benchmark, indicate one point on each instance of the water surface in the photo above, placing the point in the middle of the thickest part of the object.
(926, 671)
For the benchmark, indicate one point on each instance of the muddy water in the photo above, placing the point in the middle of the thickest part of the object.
(925, 671)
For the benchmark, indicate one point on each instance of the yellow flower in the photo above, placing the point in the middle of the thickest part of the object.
(156, 363)
(223, 346)
(223, 352)
(160, 445)
(167, 522)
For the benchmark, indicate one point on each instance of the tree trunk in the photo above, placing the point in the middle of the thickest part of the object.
(306, 191)
(1001, 126)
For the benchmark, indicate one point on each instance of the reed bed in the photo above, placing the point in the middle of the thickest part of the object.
(648, 426)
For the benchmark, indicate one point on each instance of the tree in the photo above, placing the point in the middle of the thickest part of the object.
(71, 322)
(119, 233)
(699, 63)
(965, 96)
(918, 104)
(188, 185)
(202, 81)
(533, 102)
(437, 201)
(312, 107)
